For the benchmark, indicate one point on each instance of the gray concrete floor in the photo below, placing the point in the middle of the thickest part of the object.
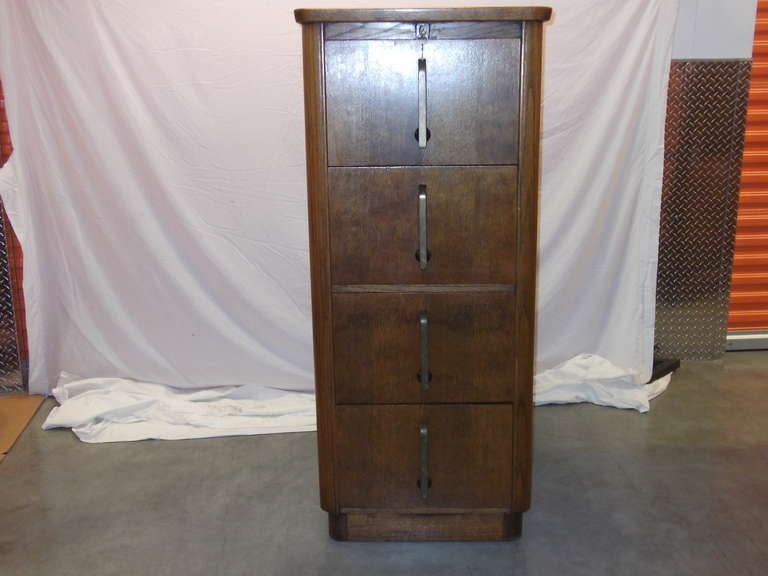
(681, 490)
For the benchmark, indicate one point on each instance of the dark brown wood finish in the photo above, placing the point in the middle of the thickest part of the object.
(471, 214)
(370, 31)
(410, 31)
(470, 456)
(422, 288)
(527, 230)
(377, 347)
(480, 169)
(469, 30)
(473, 94)
(468, 525)
(319, 252)
(483, 14)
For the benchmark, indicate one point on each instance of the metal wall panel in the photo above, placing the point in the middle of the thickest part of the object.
(10, 370)
(702, 165)
(11, 379)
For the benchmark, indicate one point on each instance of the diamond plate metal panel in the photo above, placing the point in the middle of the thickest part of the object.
(704, 139)
(11, 377)
(10, 372)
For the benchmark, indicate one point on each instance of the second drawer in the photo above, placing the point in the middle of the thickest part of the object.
(466, 218)
(386, 345)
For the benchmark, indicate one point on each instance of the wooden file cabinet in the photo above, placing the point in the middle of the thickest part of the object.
(422, 131)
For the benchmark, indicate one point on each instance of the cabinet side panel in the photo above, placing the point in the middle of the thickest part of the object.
(319, 253)
(527, 218)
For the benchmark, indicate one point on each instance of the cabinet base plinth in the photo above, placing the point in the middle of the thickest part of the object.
(404, 526)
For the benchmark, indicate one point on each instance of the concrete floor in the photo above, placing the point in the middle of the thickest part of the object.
(681, 490)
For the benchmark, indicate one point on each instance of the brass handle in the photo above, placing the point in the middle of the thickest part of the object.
(424, 481)
(424, 375)
(422, 131)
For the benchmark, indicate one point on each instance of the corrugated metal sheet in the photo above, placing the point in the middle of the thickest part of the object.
(749, 283)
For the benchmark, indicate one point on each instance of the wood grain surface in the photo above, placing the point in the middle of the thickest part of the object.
(377, 347)
(421, 288)
(470, 456)
(471, 224)
(473, 94)
(481, 14)
(467, 525)
(528, 210)
(409, 30)
(479, 171)
(319, 252)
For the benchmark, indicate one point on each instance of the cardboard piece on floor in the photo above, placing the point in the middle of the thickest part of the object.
(15, 414)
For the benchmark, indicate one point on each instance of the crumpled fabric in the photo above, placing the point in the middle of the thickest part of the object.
(590, 378)
(117, 409)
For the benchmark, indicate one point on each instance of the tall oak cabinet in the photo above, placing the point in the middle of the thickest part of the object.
(422, 135)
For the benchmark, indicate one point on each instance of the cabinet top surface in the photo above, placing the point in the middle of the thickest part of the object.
(479, 14)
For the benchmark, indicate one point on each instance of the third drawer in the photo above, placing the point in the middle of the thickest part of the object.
(424, 347)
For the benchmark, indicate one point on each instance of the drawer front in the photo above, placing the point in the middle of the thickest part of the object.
(467, 457)
(380, 340)
(373, 96)
(468, 226)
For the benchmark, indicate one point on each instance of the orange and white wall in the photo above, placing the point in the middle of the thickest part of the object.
(748, 313)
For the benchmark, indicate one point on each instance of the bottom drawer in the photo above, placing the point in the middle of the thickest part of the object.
(466, 451)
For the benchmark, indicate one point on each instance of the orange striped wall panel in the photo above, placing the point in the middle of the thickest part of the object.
(749, 281)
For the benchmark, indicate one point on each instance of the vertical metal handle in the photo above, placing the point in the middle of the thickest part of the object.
(424, 375)
(422, 103)
(423, 461)
(423, 252)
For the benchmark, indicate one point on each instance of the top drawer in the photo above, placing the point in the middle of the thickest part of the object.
(468, 91)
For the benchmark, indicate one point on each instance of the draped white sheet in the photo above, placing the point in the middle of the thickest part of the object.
(158, 186)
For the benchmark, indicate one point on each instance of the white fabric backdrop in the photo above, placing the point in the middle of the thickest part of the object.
(158, 186)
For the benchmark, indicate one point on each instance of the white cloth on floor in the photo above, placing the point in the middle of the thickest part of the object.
(118, 409)
(590, 378)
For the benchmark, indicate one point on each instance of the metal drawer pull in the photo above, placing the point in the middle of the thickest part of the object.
(424, 481)
(422, 254)
(424, 375)
(422, 131)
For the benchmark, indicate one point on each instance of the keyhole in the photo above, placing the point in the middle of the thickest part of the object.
(416, 134)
